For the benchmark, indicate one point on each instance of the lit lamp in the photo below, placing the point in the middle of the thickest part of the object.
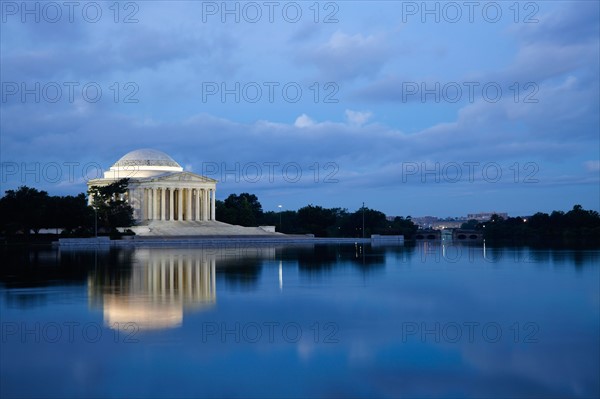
(95, 222)
(280, 206)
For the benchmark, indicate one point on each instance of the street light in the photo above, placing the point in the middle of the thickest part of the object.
(95, 222)
(280, 206)
(363, 217)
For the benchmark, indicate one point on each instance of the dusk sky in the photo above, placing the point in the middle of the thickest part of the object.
(415, 108)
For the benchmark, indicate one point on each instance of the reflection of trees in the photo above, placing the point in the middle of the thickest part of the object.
(26, 267)
(327, 257)
(115, 272)
(545, 256)
(578, 258)
(240, 273)
(41, 267)
(318, 258)
(240, 266)
(185, 277)
(399, 253)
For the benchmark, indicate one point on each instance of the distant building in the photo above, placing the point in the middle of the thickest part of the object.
(447, 224)
(425, 222)
(485, 216)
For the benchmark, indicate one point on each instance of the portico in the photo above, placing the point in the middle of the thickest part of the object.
(166, 201)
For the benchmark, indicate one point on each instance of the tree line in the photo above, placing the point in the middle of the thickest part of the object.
(577, 226)
(245, 210)
(28, 209)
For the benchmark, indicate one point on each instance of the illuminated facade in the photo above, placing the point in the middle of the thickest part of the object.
(160, 190)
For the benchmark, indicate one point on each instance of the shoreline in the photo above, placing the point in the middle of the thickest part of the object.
(137, 241)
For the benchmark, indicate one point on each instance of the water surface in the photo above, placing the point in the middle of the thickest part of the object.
(300, 321)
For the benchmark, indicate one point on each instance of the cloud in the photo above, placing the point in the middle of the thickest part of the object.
(571, 23)
(119, 50)
(357, 117)
(346, 56)
(304, 121)
(355, 156)
(365, 149)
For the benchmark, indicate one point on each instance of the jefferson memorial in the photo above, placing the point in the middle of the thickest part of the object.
(167, 200)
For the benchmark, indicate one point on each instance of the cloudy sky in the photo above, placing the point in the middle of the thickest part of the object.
(436, 108)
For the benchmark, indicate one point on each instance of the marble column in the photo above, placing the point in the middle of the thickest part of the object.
(212, 205)
(197, 205)
(154, 203)
(204, 207)
(144, 204)
(194, 207)
(188, 207)
(171, 203)
(163, 204)
(200, 204)
(149, 203)
(179, 204)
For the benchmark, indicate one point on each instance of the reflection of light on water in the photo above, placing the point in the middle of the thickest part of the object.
(162, 284)
(119, 311)
(280, 275)
(484, 254)
(155, 291)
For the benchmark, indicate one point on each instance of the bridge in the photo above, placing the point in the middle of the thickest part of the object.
(428, 235)
(467, 235)
(456, 234)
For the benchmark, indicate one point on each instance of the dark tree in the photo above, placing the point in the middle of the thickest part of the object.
(316, 220)
(224, 214)
(243, 209)
(375, 223)
(578, 227)
(469, 225)
(111, 205)
(404, 226)
(71, 212)
(289, 221)
(23, 210)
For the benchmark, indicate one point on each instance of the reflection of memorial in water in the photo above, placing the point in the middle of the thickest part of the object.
(156, 286)
(154, 292)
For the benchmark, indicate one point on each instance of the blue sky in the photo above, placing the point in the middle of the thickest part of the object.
(436, 108)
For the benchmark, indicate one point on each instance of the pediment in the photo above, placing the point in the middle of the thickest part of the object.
(183, 177)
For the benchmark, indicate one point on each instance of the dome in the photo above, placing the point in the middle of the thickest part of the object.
(145, 162)
(146, 157)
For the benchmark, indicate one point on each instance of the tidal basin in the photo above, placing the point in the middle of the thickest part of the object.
(305, 320)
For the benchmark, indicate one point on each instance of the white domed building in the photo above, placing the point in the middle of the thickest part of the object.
(160, 190)
(167, 200)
